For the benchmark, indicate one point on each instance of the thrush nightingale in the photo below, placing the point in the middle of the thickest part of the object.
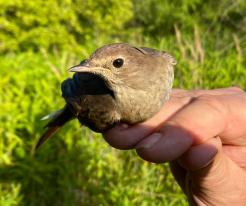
(117, 83)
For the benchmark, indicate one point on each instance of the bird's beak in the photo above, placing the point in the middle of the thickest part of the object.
(104, 73)
(80, 67)
(84, 66)
(94, 70)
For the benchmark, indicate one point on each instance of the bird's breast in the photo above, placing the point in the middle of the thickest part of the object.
(137, 105)
(99, 112)
(91, 101)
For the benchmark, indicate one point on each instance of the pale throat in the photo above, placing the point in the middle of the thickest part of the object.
(137, 105)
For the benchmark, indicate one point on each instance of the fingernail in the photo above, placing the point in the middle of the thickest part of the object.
(209, 160)
(149, 141)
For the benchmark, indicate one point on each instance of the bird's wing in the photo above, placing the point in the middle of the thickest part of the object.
(59, 118)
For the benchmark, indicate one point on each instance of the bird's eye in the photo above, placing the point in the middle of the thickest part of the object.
(118, 63)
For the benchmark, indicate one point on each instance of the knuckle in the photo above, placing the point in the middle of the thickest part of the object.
(196, 93)
(210, 101)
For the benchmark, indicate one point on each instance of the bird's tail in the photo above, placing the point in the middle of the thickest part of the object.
(58, 119)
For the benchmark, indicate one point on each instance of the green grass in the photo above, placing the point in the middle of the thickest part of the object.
(77, 167)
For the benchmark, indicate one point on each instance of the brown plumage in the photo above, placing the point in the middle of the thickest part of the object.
(118, 83)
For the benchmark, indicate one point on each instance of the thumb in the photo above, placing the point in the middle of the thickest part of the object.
(217, 182)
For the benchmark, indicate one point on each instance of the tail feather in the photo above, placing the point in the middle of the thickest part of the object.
(47, 134)
(62, 117)
(53, 115)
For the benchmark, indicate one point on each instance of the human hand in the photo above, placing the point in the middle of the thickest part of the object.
(202, 134)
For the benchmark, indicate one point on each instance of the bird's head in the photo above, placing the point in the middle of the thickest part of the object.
(122, 65)
(131, 71)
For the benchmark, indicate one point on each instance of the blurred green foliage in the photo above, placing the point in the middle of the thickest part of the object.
(159, 17)
(40, 39)
(75, 25)
(60, 24)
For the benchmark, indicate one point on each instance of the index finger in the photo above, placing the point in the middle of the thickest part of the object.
(124, 136)
(202, 119)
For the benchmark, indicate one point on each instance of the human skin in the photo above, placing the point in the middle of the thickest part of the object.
(202, 134)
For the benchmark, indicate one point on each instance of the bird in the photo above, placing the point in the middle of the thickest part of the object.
(117, 83)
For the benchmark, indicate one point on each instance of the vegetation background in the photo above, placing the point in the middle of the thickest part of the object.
(40, 39)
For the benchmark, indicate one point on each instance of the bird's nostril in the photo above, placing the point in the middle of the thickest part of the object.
(83, 63)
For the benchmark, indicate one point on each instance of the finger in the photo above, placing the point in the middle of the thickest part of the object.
(214, 115)
(195, 158)
(126, 138)
(165, 147)
(200, 156)
(220, 176)
(206, 183)
(203, 118)
(185, 128)
(199, 92)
